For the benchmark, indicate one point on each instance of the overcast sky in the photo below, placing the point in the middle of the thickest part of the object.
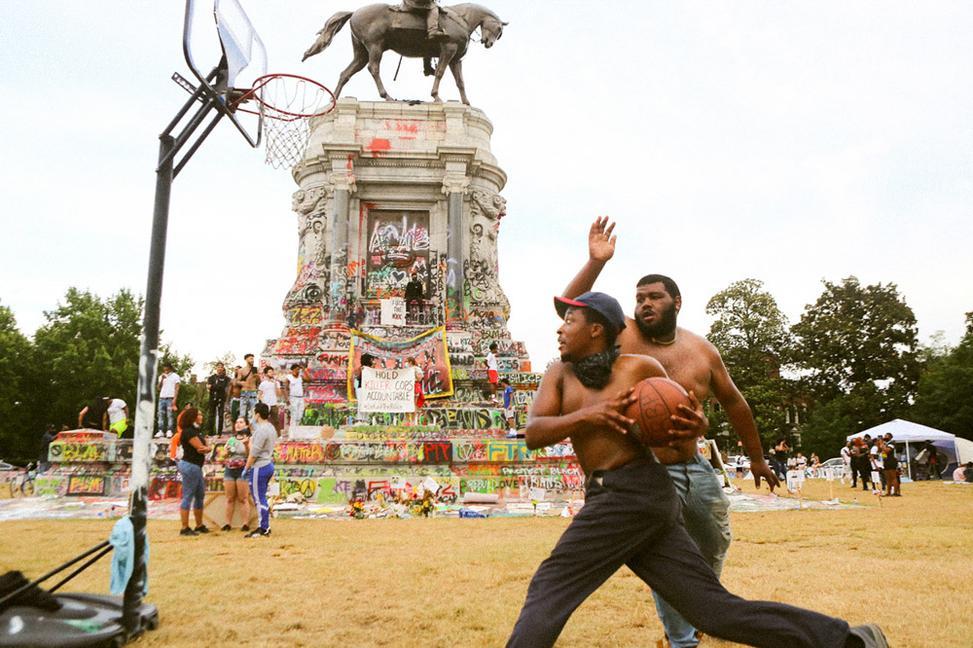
(786, 141)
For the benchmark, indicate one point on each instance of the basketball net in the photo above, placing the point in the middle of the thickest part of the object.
(287, 102)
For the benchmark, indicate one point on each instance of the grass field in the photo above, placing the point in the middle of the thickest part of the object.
(905, 564)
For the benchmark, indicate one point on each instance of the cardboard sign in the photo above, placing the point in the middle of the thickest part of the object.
(387, 390)
(393, 312)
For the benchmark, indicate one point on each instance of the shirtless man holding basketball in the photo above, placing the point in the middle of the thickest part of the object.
(694, 363)
(631, 514)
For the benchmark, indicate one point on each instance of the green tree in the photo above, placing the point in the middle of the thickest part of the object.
(945, 395)
(87, 348)
(17, 445)
(858, 351)
(751, 334)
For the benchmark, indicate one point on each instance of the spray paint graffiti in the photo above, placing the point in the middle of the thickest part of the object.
(86, 485)
(70, 452)
(398, 245)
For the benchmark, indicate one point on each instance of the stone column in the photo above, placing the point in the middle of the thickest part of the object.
(343, 182)
(455, 185)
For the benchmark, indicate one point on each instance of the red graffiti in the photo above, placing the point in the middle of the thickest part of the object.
(379, 146)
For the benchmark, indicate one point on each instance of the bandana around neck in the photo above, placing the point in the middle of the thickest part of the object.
(595, 371)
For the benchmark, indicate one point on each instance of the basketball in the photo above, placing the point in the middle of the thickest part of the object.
(657, 399)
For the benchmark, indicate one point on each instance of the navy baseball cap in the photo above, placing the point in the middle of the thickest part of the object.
(605, 305)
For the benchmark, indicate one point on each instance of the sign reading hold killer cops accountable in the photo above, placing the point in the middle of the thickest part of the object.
(387, 390)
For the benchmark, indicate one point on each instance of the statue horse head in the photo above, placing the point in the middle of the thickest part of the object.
(491, 27)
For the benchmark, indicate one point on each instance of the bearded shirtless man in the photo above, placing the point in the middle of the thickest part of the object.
(247, 378)
(694, 363)
(631, 511)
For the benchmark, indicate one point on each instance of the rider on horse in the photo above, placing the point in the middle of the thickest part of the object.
(429, 8)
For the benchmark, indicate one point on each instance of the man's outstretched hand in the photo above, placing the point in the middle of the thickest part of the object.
(760, 469)
(601, 243)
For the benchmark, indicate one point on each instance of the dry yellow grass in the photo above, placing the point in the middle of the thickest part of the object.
(452, 582)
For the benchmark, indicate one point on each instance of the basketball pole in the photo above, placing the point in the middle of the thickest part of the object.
(166, 171)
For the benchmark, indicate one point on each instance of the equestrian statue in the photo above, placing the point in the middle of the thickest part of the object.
(415, 28)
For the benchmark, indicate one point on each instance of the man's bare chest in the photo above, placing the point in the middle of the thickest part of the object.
(688, 371)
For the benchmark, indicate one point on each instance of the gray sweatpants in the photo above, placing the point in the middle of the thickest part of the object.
(631, 517)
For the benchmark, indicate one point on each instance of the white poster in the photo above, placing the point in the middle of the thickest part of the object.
(387, 390)
(393, 312)
(795, 480)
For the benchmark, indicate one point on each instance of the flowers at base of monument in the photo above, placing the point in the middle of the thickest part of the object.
(356, 509)
(400, 505)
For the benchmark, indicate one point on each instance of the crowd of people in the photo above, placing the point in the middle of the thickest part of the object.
(236, 396)
(865, 458)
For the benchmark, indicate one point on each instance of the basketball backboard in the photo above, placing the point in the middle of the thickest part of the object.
(225, 58)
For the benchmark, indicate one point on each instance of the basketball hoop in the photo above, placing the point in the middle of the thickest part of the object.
(287, 102)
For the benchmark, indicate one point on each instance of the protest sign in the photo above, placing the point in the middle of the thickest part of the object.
(393, 312)
(387, 390)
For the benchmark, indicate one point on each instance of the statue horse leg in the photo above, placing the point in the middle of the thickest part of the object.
(445, 57)
(357, 63)
(375, 52)
(456, 67)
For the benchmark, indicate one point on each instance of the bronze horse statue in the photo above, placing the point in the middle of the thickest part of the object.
(380, 27)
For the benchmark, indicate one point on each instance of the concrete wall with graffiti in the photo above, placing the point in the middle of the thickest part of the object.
(367, 458)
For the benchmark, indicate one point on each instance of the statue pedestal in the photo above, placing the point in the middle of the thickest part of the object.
(389, 192)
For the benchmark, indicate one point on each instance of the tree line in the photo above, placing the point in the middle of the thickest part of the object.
(87, 347)
(852, 360)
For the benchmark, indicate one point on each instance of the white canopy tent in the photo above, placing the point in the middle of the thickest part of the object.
(908, 432)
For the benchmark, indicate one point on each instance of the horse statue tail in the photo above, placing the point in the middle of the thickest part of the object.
(332, 27)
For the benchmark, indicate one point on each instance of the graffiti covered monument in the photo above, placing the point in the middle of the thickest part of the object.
(392, 193)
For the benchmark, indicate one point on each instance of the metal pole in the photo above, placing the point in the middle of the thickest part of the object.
(148, 364)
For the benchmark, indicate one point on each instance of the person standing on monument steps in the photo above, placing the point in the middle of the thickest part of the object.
(295, 393)
(247, 378)
(413, 298)
(694, 363)
(219, 389)
(631, 512)
(168, 397)
(493, 371)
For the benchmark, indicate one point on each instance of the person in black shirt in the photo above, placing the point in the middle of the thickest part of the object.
(219, 387)
(190, 467)
(49, 434)
(413, 297)
(94, 413)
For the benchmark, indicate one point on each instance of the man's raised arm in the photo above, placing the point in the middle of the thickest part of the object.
(601, 247)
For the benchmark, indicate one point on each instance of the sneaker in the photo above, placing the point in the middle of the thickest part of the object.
(258, 533)
(226, 527)
(245, 527)
(168, 434)
(188, 532)
(202, 528)
(159, 434)
(870, 635)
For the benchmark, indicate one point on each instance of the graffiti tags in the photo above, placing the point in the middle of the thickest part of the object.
(68, 452)
(86, 485)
